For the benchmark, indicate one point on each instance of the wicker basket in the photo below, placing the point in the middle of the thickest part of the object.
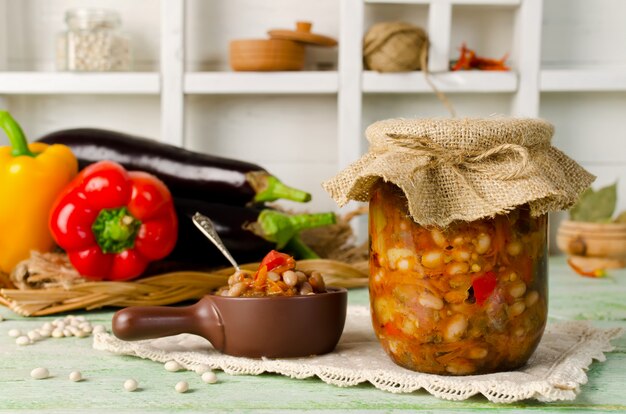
(46, 285)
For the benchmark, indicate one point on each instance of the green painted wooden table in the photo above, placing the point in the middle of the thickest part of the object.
(571, 297)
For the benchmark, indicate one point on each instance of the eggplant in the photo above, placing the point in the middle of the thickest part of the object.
(187, 174)
(249, 233)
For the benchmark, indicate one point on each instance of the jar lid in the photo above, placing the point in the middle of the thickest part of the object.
(302, 34)
(464, 169)
(92, 18)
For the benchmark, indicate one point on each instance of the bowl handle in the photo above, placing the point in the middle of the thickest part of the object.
(148, 322)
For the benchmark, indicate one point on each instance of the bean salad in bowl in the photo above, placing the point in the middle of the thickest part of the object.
(277, 275)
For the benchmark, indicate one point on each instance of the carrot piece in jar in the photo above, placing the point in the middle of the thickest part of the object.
(392, 330)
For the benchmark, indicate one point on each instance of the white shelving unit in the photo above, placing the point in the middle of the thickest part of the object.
(172, 82)
(349, 82)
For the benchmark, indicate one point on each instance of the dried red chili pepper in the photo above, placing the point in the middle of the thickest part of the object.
(596, 273)
(468, 60)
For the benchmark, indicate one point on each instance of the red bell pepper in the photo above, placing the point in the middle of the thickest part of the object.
(112, 222)
(483, 286)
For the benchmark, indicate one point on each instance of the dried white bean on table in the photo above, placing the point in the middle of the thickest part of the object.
(182, 386)
(209, 377)
(202, 369)
(34, 335)
(172, 366)
(40, 373)
(75, 376)
(130, 385)
(14, 333)
(22, 340)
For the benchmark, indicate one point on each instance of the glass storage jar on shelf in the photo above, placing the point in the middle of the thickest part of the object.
(470, 298)
(93, 42)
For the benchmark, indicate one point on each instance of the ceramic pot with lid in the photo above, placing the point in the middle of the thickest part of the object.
(283, 51)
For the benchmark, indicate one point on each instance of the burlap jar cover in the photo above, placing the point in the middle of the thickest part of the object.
(464, 169)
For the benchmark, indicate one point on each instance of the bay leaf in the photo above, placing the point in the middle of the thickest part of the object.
(595, 206)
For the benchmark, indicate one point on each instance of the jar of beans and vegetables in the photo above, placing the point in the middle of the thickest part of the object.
(470, 298)
(458, 237)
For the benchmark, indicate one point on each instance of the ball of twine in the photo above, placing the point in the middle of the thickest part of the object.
(395, 47)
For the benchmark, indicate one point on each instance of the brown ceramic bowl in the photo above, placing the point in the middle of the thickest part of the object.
(266, 55)
(272, 327)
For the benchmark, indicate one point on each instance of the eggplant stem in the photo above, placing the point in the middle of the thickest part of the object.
(280, 228)
(300, 249)
(309, 221)
(270, 188)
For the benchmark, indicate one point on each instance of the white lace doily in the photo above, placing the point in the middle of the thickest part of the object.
(555, 371)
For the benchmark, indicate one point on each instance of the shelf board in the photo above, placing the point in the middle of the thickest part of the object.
(453, 2)
(37, 83)
(462, 81)
(583, 80)
(398, 1)
(261, 82)
(487, 2)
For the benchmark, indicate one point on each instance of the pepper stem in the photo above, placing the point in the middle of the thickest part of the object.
(270, 188)
(300, 249)
(15, 134)
(115, 230)
(280, 228)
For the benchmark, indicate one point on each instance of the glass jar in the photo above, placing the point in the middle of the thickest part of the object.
(470, 298)
(93, 42)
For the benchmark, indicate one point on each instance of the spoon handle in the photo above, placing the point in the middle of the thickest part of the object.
(208, 229)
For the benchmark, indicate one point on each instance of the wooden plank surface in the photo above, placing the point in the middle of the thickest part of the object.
(571, 297)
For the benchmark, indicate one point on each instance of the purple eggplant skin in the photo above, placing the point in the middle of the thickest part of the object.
(187, 174)
(193, 248)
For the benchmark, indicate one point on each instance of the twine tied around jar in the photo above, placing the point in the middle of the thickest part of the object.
(502, 162)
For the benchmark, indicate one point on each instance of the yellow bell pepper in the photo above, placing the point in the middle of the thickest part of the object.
(31, 178)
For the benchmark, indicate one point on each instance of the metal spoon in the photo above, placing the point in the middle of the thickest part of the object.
(207, 228)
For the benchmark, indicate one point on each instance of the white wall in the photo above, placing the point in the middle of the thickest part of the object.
(294, 136)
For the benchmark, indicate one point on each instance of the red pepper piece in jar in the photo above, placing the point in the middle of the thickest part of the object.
(112, 222)
(483, 286)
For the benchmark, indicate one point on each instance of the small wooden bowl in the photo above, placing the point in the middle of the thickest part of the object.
(594, 240)
(266, 55)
